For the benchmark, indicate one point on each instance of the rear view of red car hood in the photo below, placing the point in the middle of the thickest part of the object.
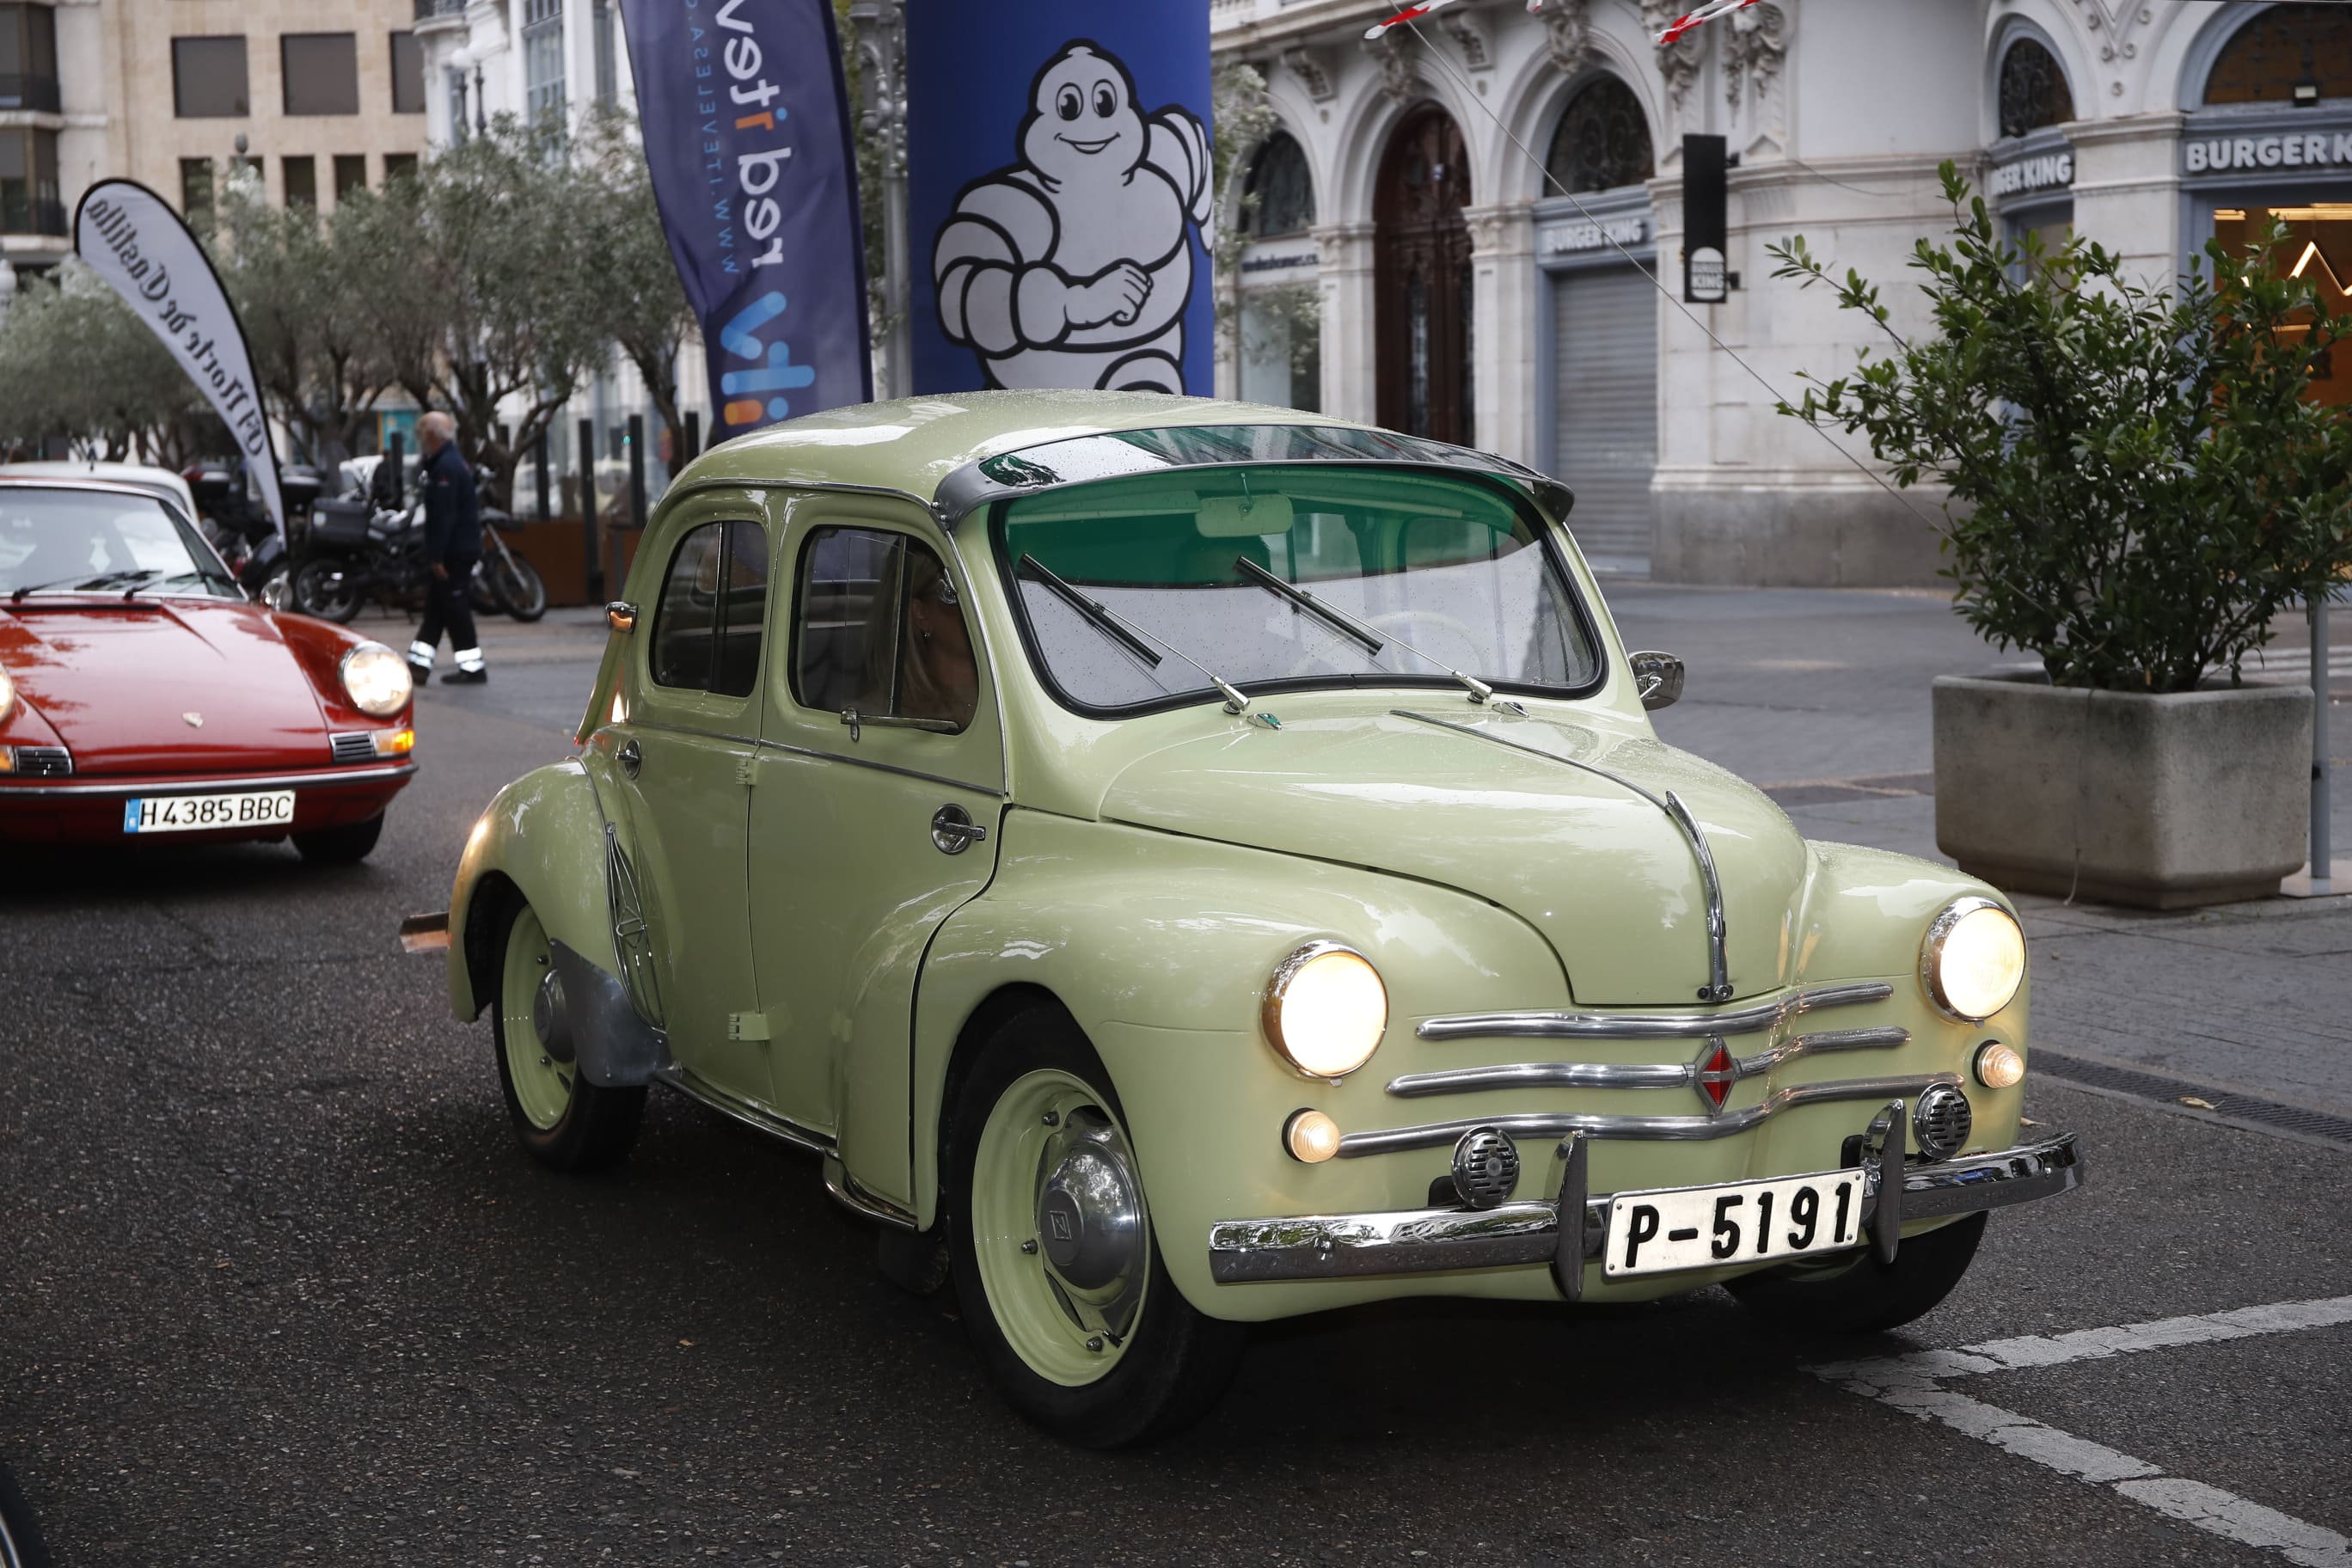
(182, 686)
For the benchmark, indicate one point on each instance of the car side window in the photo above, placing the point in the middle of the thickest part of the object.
(713, 610)
(878, 628)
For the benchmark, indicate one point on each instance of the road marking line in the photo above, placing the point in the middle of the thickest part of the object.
(1914, 1383)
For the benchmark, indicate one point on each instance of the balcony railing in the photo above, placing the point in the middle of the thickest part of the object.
(39, 93)
(19, 215)
(440, 10)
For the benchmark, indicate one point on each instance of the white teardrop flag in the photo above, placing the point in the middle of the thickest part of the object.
(128, 235)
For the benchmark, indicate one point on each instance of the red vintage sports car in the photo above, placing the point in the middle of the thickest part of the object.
(143, 695)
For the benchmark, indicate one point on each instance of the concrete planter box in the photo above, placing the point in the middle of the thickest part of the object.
(2163, 802)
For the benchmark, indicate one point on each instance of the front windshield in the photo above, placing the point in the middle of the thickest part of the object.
(70, 540)
(1454, 567)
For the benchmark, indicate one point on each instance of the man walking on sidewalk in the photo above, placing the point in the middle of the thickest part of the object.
(453, 545)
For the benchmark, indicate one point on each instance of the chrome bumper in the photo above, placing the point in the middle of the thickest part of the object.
(1415, 1241)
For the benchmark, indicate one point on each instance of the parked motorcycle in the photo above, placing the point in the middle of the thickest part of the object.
(241, 528)
(359, 551)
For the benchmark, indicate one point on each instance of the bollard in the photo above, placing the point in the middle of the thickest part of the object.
(2322, 883)
(539, 469)
(691, 436)
(393, 454)
(637, 470)
(594, 554)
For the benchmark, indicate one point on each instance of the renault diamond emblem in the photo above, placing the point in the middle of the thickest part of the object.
(1714, 1073)
(196, 721)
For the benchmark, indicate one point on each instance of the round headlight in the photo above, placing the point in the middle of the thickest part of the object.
(376, 679)
(1326, 1010)
(1973, 959)
(7, 696)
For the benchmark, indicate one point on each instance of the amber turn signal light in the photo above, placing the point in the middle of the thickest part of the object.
(1999, 1065)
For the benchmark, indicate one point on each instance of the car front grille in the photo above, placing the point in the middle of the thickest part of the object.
(43, 761)
(357, 746)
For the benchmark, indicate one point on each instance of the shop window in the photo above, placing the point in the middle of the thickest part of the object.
(1604, 140)
(1280, 190)
(208, 79)
(1281, 344)
(2033, 91)
(2319, 248)
(407, 74)
(302, 182)
(321, 72)
(2289, 54)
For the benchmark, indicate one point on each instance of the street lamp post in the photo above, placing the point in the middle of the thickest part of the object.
(881, 27)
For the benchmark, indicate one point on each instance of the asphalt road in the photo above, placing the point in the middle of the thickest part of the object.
(279, 1288)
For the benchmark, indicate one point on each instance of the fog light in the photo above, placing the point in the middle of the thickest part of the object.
(1999, 1065)
(394, 743)
(1311, 1137)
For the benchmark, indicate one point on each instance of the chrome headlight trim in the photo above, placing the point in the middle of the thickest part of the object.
(1278, 990)
(1931, 955)
(375, 708)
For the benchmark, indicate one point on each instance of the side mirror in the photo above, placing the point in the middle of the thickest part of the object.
(621, 616)
(1658, 677)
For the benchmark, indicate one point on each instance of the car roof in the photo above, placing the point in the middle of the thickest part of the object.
(913, 443)
(141, 475)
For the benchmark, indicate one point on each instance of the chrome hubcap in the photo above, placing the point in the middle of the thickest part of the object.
(1090, 1222)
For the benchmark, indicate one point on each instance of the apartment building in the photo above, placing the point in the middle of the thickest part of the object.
(317, 97)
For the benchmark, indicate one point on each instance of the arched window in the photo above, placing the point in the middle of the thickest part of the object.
(2033, 91)
(1604, 140)
(2285, 47)
(1284, 191)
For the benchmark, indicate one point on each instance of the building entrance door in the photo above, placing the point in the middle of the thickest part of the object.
(1421, 280)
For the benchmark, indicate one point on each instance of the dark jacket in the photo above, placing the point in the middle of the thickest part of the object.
(452, 514)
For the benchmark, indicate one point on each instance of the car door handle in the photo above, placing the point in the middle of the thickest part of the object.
(631, 759)
(953, 831)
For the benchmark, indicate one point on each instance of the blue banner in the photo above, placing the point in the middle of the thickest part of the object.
(747, 133)
(1059, 194)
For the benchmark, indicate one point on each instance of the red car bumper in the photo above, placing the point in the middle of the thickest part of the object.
(90, 811)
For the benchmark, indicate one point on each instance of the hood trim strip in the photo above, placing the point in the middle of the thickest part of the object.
(1679, 1129)
(1636, 1075)
(1749, 1020)
(1718, 963)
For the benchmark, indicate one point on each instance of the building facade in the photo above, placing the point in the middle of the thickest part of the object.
(1474, 205)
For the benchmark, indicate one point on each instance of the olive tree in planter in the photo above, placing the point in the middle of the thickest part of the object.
(2138, 486)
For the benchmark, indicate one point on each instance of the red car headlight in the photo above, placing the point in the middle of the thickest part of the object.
(376, 679)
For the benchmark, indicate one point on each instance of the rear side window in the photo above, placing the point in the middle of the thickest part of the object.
(713, 608)
(879, 629)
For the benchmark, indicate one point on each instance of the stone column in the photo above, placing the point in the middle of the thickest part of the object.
(1503, 298)
(1349, 356)
(2127, 189)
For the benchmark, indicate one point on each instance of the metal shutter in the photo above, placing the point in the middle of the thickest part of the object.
(1606, 395)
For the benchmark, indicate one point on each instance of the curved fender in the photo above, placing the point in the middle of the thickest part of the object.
(1160, 947)
(546, 833)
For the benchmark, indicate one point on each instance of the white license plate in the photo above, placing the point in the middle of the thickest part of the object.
(1743, 1222)
(193, 813)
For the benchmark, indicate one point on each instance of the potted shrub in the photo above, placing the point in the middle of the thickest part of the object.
(2138, 486)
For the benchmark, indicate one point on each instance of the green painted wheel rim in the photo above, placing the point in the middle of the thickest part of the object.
(1064, 1333)
(541, 1085)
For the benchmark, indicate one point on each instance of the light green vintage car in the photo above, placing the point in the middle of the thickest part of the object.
(1182, 863)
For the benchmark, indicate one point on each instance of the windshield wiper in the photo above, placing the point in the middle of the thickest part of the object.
(103, 580)
(1479, 691)
(1122, 631)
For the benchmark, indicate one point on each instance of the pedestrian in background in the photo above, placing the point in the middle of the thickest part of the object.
(453, 546)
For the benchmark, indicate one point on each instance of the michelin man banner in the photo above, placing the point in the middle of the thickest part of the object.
(747, 133)
(131, 236)
(1059, 194)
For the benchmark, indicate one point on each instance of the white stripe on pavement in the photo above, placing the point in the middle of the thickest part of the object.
(1913, 1384)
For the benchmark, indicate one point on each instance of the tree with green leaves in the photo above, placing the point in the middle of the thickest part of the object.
(77, 363)
(646, 312)
(2138, 482)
